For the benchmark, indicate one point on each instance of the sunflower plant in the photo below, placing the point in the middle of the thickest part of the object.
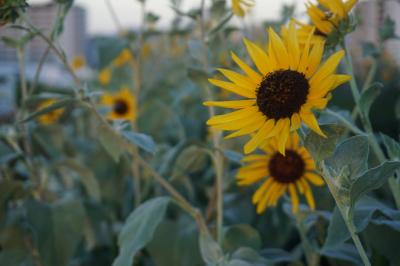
(209, 142)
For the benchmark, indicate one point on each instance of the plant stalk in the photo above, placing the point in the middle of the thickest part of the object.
(345, 214)
(216, 136)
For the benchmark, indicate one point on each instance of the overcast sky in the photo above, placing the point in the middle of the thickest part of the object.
(99, 19)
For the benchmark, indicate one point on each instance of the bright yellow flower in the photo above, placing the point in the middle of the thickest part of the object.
(122, 103)
(145, 52)
(105, 77)
(78, 62)
(241, 7)
(123, 58)
(50, 117)
(278, 174)
(290, 83)
(328, 16)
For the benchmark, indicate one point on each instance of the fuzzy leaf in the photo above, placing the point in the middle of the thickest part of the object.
(139, 229)
(369, 96)
(144, 141)
(392, 147)
(372, 179)
(320, 147)
(241, 235)
(111, 141)
(210, 251)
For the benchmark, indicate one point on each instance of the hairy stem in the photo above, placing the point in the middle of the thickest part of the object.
(368, 127)
(345, 214)
(216, 136)
(312, 257)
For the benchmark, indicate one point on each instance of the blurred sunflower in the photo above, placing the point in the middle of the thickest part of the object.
(50, 117)
(123, 58)
(104, 77)
(78, 62)
(327, 16)
(290, 83)
(280, 174)
(241, 7)
(122, 103)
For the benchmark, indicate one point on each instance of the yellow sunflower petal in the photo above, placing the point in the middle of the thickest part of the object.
(233, 88)
(233, 116)
(246, 69)
(238, 79)
(259, 57)
(328, 67)
(254, 157)
(309, 196)
(248, 129)
(261, 191)
(231, 104)
(279, 49)
(314, 179)
(258, 138)
(295, 121)
(314, 58)
(310, 120)
(283, 136)
(294, 198)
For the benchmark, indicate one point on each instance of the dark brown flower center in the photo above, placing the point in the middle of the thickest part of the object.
(286, 169)
(282, 93)
(120, 107)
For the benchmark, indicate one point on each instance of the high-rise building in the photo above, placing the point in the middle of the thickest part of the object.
(72, 39)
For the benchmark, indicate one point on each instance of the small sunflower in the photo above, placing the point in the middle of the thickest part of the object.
(122, 103)
(278, 174)
(105, 77)
(78, 62)
(123, 58)
(290, 83)
(241, 7)
(50, 117)
(328, 16)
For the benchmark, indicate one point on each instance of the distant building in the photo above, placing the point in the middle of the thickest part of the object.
(371, 14)
(72, 39)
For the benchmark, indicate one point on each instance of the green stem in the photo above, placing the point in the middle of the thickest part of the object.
(367, 125)
(312, 258)
(216, 136)
(345, 214)
(345, 122)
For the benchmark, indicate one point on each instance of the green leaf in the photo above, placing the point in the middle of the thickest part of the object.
(139, 229)
(370, 50)
(86, 176)
(372, 179)
(368, 97)
(143, 141)
(337, 232)
(58, 229)
(15, 258)
(10, 42)
(111, 141)
(388, 29)
(190, 160)
(57, 105)
(385, 241)
(241, 235)
(250, 256)
(233, 156)
(211, 252)
(220, 25)
(392, 147)
(350, 158)
(171, 238)
(346, 252)
(320, 147)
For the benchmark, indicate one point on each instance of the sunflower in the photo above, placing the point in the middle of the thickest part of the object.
(290, 83)
(328, 16)
(123, 58)
(241, 7)
(105, 77)
(122, 103)
(49, 117)
(78, 62)
(278, 174)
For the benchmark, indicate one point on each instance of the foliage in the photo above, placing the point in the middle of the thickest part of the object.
(160, 189)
